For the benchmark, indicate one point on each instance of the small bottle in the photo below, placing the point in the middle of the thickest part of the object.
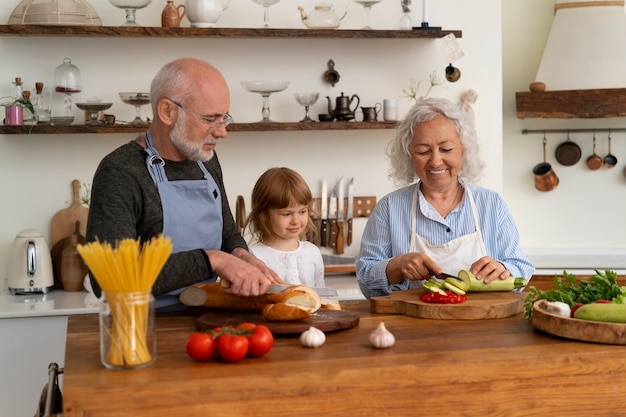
(42, 103)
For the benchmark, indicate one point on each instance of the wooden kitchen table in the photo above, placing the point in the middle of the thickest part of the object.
(498, 367)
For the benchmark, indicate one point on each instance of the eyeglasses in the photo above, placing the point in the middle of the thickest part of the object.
(208, 122)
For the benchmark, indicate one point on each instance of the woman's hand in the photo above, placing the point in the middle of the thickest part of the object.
(413, 266)
(488, 269)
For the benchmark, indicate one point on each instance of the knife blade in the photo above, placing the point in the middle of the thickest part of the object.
(324, 215)
(442, 276)
(350, 213)
(340, 217)
(324, 292)
(332, 218)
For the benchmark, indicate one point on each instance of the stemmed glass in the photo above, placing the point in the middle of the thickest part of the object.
(265, 88)
(306, 100)
(130, 6)
(266, 14)
(367, 5)
(137, 100)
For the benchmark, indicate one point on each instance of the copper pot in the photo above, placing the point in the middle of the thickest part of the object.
(545, 177)
(594, 162)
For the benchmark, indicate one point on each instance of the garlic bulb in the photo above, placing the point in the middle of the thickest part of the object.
(381, 337)
(313, 337)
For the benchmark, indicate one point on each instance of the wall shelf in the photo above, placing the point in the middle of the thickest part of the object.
(234, 127)
(188, 32)
(572, 104)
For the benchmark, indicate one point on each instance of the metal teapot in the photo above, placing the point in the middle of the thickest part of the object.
(322, 16)
(343, 107)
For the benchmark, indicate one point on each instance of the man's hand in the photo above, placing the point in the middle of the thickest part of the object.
(242, 271)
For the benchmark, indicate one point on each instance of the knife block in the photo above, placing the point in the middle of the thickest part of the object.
(362, 207)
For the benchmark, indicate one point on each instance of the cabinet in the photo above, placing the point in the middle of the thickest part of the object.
(185, 32)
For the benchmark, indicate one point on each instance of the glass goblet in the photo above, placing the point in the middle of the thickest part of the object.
(266, 14)
(306, 100)
(130, 6)
(367, 5)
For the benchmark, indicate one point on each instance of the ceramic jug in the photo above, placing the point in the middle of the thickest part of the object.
(172, 14)
(205, 13)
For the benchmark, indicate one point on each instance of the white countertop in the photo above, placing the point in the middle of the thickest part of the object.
(56, 303)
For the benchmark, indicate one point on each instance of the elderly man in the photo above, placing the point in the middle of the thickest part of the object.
(169, 181)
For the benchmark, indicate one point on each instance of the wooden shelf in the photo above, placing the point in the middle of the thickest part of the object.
(188, 32)
(572, 104)
(234, 127)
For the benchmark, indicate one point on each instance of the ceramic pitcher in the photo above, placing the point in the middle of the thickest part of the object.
(205, 13)
(172, 14)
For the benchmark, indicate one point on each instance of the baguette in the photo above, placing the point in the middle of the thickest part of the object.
(213, 295)
(285, 312)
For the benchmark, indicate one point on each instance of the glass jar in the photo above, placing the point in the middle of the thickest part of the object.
(127, 330)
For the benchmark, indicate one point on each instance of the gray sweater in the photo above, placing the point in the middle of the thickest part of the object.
(125, 203)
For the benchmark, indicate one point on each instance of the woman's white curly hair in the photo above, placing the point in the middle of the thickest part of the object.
(402, 171)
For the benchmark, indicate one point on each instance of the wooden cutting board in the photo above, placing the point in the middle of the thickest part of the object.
(325, 320)
(479, 305)
(64, 221)
(583, 330)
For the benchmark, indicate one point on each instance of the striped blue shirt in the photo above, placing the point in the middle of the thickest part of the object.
(388, 234)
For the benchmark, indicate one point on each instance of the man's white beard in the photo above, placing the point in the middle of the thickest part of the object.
(192, 151)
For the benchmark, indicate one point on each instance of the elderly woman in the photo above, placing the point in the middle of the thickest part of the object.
(442, 222)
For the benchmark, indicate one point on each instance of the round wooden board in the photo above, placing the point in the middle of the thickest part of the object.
(479, 305)
(583, 330)
(325, 320)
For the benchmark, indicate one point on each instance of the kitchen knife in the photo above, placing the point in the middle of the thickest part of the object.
(340, 218)
(324, 292)
(332, 218)
(350, 213)
(442, 276)
(324, 215)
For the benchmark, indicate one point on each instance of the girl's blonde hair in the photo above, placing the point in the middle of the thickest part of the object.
(278, 188)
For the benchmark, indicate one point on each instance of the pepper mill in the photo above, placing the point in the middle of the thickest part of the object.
(172, 14)
(73, 268)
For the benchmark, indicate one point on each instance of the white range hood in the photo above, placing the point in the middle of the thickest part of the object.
(586, 48)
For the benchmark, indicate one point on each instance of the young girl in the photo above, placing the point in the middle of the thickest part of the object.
(280, 219)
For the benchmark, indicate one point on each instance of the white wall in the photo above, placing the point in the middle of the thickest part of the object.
(585, 214)
(36, 171)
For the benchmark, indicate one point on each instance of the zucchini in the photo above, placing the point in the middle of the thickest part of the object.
(434, 286)
(453, 287)
(477, 285)
(457, 283)
(606, 312)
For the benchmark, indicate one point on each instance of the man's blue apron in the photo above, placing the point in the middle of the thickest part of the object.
(192, 212)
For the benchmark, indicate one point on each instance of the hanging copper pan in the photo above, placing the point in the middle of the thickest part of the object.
(594, 161)
(568, 153)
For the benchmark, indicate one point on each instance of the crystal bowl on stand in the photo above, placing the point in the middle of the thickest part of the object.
(265, 88)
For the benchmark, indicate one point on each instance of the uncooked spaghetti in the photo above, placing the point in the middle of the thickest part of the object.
(126, 275)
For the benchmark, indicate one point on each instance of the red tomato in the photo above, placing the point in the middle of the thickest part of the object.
(246, 326)
(232, 348)
(201, 346)
(261, 341)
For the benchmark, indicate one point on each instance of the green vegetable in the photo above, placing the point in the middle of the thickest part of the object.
(434, 286)
(457, 283)
(607, 312)
(601, 286)
(478, 285)
(453, 287)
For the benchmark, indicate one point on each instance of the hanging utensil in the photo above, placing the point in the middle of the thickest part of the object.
(568, 153)
(610, 160)
(545, 177)
(594, 162)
